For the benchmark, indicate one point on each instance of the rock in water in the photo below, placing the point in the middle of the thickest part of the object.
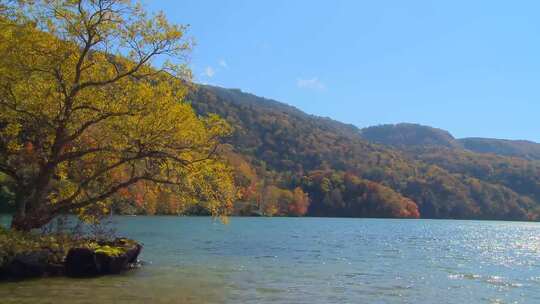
(109, 258)
(81, 262)
(133, 254)
(28, 265)
(112, 264)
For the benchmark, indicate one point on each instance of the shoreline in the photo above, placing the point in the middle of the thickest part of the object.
(27, 255)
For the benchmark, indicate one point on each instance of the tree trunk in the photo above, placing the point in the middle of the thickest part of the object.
(20, 223)
(31, 211)
(30, 220)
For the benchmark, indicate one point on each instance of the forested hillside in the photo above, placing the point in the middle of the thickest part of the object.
(516, 148)
(405, 135)
(485, 159)
(279, 150)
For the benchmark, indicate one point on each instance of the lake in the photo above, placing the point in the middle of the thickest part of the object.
(311, 260)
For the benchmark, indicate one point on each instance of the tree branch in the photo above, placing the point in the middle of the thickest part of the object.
(10, 172)
(92, 122)
(67, 206)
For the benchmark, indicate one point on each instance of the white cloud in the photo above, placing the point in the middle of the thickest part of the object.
(310, 83)
(209, 72)
(223, 63)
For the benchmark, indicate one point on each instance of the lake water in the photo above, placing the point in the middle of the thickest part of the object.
(311, 260)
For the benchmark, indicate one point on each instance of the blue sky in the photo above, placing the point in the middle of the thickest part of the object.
(470, 67)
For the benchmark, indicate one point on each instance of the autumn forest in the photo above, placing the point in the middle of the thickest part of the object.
(90, 125)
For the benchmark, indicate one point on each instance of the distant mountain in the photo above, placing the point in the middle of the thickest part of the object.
(407, 134)
(404, 170)
(515, 148)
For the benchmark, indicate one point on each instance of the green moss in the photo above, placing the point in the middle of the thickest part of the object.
(13, 243)
(110, 250)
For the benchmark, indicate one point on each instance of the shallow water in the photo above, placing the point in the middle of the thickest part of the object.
(311, 260)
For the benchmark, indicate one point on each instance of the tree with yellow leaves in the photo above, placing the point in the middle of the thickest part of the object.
(87, 114)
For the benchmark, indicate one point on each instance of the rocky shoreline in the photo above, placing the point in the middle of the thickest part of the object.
(92, 258)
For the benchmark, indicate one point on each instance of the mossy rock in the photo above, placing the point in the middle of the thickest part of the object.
(26, 255)
(102, 258)
(110, 251)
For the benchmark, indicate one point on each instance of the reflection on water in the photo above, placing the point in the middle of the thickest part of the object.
(311, 260)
